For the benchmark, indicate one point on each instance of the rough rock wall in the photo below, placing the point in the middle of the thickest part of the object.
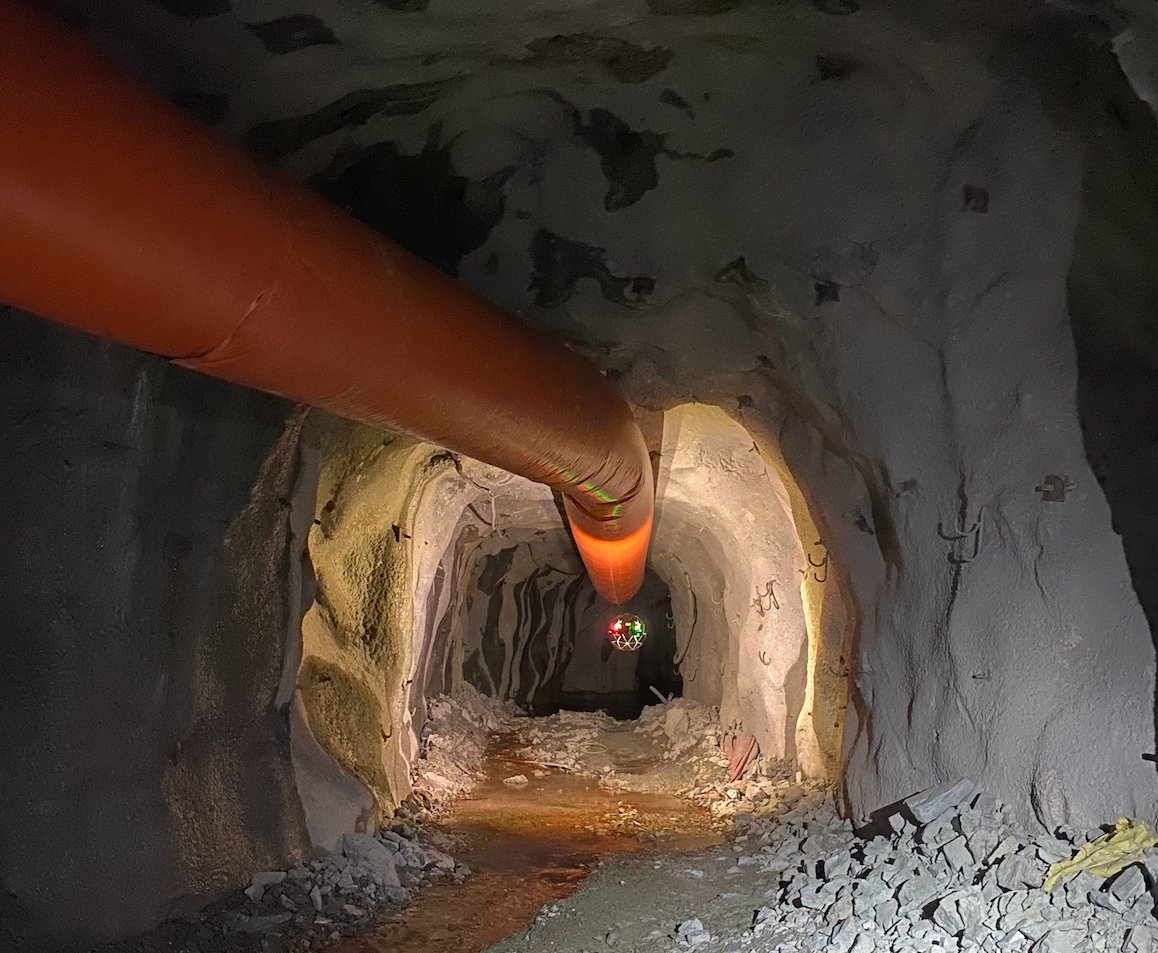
(724, 530)
(144, 763)
(884, 257)
(525, 607)
(532, 630)
(358, 655)
(852, 232)
(1017, 653)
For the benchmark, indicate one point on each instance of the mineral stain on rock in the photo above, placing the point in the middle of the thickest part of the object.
(825, 291)
(278, 138)
(669, 97)
(737, 272)
(287, 34)
(194, 9)
(837, 8)
(626, 61)
(627, 156)
(691, 7)
(834, 67)
(419, 200)
(403, 6)
(559, 263)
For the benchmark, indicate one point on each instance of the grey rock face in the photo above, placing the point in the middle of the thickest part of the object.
(144, 534)
(897, 894)
(1129, 885)
(691, 933)
(369, 850)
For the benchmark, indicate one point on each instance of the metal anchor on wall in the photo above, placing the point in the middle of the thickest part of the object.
(769, 593)
(973, 534)
(823, 564)
(1053, 488)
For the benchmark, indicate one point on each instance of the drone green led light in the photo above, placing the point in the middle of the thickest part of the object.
(627, 632)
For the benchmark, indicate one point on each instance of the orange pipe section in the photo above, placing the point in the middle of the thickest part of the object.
(123, 218)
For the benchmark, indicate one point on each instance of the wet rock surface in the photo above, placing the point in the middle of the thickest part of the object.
(947, 869)
(675, 748)
(454, 742)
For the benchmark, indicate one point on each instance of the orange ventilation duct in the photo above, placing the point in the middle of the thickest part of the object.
(121, 217)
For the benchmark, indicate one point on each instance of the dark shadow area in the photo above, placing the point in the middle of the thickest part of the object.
(147, 529)
(619, 683)
(418, 201)
(1112, 292)
(537, 635)
(655, 675)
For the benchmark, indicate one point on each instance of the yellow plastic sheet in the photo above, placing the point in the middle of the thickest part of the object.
(1106, 855)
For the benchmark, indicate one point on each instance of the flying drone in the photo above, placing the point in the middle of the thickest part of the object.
(626, 632)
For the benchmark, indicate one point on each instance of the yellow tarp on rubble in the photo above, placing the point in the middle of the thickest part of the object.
(1106, 855)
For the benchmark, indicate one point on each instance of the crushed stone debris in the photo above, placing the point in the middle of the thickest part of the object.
(674, 748)
(950, 871)
(804, 881)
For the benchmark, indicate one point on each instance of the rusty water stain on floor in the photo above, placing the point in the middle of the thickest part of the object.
(527, 846)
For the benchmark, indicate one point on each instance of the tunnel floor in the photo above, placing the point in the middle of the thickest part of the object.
(593, 834)
(582, 834)
(528, 845)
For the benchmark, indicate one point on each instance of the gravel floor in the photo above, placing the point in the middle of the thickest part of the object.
(950, 870)
(804, 881)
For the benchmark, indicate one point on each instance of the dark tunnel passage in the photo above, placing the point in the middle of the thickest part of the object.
(557, 652)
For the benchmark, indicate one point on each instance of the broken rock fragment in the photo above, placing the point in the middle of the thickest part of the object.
(691, 933)
(931, 803)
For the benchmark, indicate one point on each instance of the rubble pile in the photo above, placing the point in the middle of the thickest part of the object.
(966, 879)
(673, 748)
(454, 742)
(945, 871)
(571, 740)
(681, 732)
(311, 904)
(371, 874)
(337, 894)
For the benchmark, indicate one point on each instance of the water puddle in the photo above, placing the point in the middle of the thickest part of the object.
(527, 845)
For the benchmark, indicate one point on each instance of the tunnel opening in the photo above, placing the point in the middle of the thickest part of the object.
(558, 653)
(437, 575)
(456, 664)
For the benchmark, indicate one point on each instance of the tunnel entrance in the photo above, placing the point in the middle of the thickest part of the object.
(438, 576)
(552, 653)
